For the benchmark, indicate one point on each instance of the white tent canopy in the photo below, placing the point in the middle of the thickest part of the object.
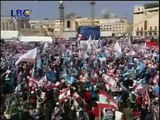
(35, 39)
(9, 35)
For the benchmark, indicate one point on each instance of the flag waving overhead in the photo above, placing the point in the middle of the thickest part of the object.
(118, 48)
(45, 47)
(30, 56)
(105, 98)
(89, 41)
(64, 94)
(129, 40)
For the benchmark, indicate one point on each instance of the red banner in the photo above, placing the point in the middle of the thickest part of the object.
(151, 44)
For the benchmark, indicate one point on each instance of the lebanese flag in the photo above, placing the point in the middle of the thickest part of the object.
(105, 98)
(64, 94)
(30, 56)
(147, 97)
(109, 80)
(139, 87)
(75, 96)
(32, 83)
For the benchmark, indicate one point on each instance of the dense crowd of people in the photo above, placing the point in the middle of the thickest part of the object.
(93, 81)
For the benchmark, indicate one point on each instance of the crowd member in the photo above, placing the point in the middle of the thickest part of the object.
(82, 82)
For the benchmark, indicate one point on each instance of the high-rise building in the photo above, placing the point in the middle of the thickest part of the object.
(146, 20)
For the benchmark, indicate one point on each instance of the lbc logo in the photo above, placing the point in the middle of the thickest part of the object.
(20, 14)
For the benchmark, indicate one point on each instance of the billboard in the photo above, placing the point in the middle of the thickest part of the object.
(86, 31)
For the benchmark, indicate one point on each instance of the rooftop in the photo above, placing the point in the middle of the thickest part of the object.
(151, 5)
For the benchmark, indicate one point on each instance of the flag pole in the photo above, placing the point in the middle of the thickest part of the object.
(34, 65)
(99, 113)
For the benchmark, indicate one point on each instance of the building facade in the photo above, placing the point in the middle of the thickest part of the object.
(8, 24)
(146, 20)
(117, 26)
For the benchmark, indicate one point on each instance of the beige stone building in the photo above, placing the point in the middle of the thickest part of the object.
(8, 24)
(52, 27)
(117, 26)
(146, 20)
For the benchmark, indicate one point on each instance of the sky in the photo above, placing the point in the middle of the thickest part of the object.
(50, 9)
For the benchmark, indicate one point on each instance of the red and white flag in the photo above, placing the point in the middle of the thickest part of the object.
(75, 96)
(147, 97)
(30, 56)
(32, 83)
(105, 98)
(64, 94)
(109, 80)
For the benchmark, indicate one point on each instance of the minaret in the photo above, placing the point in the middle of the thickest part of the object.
(92, 4)
(61, 13)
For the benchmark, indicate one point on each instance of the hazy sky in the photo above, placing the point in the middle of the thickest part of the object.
(49, 9)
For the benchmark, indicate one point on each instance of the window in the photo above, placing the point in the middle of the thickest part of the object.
(150, 28)
(137, 34)
(145, 25)
(155, 33)
(150, 33)
(138, 9)
(155, 27)
(7, 26)
(145, 33)
(3, 26)
(138, 29)
(141, 28)
(68, 24)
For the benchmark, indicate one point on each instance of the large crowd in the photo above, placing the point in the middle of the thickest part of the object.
(93, 81)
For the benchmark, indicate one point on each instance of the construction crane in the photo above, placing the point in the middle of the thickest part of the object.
(92, 4)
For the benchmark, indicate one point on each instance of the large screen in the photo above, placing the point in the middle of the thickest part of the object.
(86, 31)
